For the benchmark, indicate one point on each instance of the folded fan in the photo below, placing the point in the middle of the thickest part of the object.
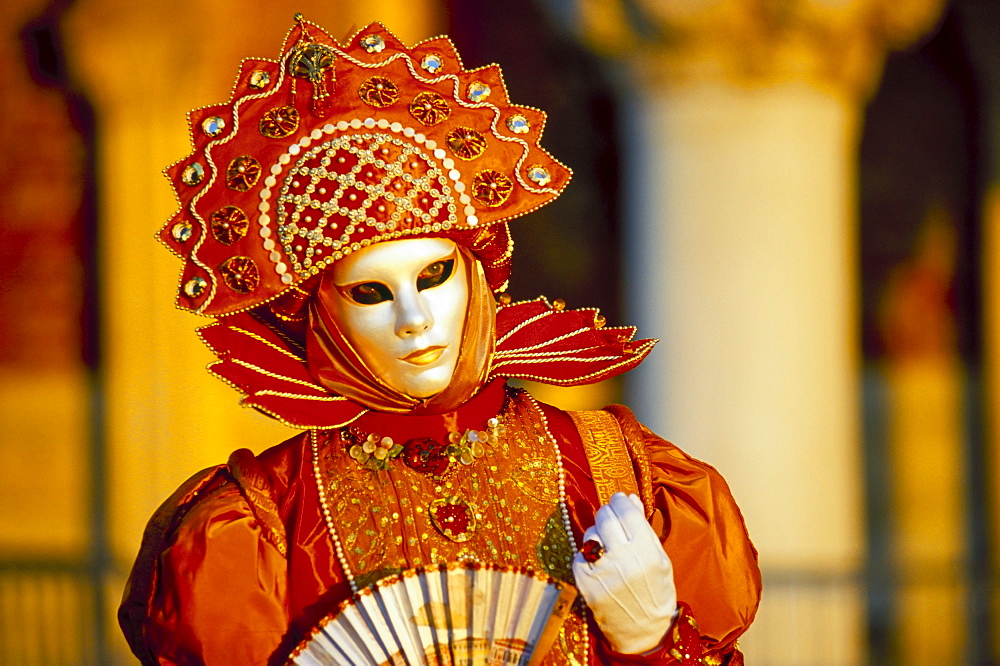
(444, 615)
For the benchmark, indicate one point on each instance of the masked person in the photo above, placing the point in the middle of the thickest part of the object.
(344, 219)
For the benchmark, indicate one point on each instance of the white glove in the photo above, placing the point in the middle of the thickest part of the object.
(630, 589)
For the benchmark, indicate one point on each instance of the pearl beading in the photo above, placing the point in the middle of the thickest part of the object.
(327, 515)
(564, 508)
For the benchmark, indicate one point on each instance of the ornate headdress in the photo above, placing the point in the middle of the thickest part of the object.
(331, 148)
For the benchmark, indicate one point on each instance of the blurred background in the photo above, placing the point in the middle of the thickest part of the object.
(798, 197)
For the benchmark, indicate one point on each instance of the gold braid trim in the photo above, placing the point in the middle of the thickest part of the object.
(607, 452)
(635, 438)
(253, 485)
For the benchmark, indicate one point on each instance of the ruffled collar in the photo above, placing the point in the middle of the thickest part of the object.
(535, 341)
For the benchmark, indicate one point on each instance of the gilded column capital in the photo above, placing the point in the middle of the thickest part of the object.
(753, 42)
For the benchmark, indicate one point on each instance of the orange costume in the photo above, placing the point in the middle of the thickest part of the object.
(247, 558)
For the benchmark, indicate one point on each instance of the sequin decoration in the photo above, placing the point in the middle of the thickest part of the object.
(370, 179)
(539, 175)
(195, 287)
(213, 126)
(259, 79)
(491, 187)
(193, 174)
(242, 173)
(379, 92)
(372, 43)
(453, 518)
(466, 143)
(432, 63)
(477, 92)
(279, 122)
(555, 552)
(229, 224)
(429, 108)
(518, 124)
(240, 274)
(182, 231)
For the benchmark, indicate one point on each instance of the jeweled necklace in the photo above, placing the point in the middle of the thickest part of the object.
(423, 454)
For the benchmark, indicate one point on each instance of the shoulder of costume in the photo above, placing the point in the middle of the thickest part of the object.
(133, 612)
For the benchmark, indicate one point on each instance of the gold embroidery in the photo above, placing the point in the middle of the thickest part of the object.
(606, 450)
(635, 441)
(384, 523)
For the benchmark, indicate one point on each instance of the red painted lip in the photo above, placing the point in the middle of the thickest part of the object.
(424, 356)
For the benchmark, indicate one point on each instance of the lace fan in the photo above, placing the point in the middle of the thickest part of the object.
(445, 615)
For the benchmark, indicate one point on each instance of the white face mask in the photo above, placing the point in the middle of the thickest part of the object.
(402, 305)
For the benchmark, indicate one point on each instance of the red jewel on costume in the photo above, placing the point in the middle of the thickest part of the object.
(453, 518)
(426, 455)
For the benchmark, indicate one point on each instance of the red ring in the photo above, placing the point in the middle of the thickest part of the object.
(592, 550)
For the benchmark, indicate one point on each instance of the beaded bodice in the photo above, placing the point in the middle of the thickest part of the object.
(506, 506)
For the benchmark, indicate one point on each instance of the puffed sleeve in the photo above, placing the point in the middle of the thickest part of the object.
(210, 583)
(691, 507)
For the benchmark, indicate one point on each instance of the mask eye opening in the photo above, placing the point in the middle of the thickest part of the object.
(435, 274)
(368, 293)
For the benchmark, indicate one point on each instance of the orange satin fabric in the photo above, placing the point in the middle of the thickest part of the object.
(211, 585)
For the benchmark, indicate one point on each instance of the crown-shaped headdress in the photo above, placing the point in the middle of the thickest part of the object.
(333, 148)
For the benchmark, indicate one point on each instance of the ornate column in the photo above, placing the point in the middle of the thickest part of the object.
(742, 257)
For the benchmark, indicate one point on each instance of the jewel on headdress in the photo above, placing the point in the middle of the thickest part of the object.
(477, 92)
(491, 187)
(192, 174)
(259, 79)
(518, 124)
(466, 143)
(379, 92)
(240, 274)
(372, 43)
(311, 61)
(182, 231)
(195, 287)
(213, 126)
(279, 122)
(242, 173)
(539, 175)
(432, 63)
(429, 108)
(229, 224)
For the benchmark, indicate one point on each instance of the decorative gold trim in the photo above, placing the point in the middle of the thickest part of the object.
(266, 342)
(607, 452)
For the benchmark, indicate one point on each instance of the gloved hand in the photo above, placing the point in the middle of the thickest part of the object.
(630, 589)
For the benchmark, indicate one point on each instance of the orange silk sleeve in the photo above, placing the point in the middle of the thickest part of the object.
(702, 530)
(210, 585)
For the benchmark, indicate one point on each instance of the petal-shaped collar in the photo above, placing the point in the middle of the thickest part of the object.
(535, 341)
